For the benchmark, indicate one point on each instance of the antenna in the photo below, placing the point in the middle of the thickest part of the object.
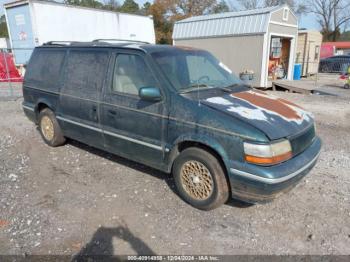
(197, 68)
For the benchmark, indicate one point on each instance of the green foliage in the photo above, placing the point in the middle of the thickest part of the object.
(145, 9)
(129, 6)
(112, 5)
(221, 7)
(345, 36)
(166, 12)
(3, 27)
(85, 3)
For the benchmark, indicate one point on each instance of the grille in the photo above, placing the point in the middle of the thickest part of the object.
(302, 141)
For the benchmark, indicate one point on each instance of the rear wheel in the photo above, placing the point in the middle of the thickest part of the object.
(200, 179)
(346, 86)
(49, 128)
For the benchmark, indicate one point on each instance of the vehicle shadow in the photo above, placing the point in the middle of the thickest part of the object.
(168, 179)
(101, 246)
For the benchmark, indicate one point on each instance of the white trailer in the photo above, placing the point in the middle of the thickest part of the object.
(31, 23)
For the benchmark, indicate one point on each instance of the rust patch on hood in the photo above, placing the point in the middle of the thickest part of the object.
(262, 100)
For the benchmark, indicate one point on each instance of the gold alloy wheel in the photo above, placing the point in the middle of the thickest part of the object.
(197, 180)
(47, 129)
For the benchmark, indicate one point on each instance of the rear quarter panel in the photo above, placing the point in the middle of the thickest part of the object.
(36, 92)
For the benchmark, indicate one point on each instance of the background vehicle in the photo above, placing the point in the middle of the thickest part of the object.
(335, 64)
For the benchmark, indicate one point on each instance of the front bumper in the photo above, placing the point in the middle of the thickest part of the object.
(259, 184)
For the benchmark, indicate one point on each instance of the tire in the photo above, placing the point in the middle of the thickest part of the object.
(49, 128)
(201, 195)
(346, 86)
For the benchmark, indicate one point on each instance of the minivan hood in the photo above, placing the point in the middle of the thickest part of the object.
(276, 117)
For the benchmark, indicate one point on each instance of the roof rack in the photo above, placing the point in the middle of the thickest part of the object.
(120, 40)
(59, 43)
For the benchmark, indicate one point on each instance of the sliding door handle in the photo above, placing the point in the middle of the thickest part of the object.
(112, 112)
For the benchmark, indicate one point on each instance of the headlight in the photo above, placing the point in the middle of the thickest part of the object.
(268, 154)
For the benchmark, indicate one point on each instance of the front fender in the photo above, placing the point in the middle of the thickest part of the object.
(201, 139)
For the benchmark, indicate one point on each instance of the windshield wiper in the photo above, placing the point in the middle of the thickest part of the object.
(229, 87)
(193, 87)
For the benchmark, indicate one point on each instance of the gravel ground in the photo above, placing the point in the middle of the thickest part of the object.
(75, 199)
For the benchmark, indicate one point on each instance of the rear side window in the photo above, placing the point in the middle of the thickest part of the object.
(44, 69)
(85, 73)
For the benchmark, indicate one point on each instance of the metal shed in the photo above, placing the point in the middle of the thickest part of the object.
(261, 40)
(308, 51)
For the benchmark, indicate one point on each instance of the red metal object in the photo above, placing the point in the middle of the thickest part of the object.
(8, 70)
(328, 49)
(338, 45)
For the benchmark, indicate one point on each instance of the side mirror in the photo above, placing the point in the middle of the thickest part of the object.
(150, 93)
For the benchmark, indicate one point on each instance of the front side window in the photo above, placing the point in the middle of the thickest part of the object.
(188, 69)
(130, 74)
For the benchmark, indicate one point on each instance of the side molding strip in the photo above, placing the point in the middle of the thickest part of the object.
(274, 180)
(111, 134)
(153, 114)
(28, 108)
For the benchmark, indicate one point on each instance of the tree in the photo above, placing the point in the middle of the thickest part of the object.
(221, 7)
(187, 8)
(166, 12)
(345, 36)
(112, 5)
(250, 4)
(254, 4)
(163, 25)
(332, 16)
(86, 3)
(3, 27)
(145, 9)
(297, 8)
(130, 6)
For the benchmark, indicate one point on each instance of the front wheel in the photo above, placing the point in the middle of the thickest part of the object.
(200, 179)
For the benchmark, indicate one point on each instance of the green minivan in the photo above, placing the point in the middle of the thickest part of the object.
(176, 109)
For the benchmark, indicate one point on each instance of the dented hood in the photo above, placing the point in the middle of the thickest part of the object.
(276, 117)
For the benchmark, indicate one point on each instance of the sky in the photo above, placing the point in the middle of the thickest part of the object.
(305, 21)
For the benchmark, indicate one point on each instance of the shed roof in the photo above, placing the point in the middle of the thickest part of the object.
(229, 23)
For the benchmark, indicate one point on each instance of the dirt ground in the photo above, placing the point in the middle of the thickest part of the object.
(76, 199)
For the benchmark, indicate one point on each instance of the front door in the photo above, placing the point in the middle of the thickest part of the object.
(133, 127)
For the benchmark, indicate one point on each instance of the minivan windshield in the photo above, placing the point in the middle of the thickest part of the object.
(190, 69)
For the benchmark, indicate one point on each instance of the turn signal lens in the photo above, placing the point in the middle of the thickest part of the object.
(268, 154)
